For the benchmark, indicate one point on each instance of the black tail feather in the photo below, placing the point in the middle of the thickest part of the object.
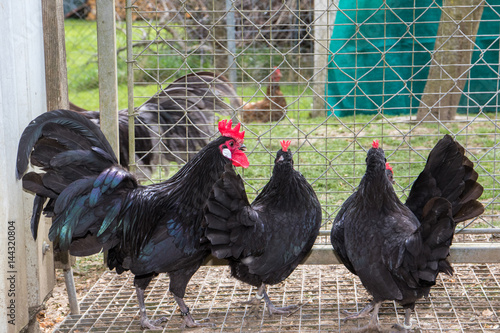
(38, 203)
(448, 174)
(70, 121)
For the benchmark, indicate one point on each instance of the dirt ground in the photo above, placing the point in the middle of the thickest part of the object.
(85, 272)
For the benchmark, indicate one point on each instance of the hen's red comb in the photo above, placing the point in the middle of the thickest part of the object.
(226, 130)
(285, 144)
(375, 144)
(388, 167)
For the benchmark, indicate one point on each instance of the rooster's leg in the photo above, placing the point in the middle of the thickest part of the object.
(140, 287)
(186, 315)
(178, 283)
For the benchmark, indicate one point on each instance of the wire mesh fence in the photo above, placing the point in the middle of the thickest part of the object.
(340, 74)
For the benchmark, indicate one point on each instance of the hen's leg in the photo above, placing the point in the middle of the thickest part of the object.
(178, 283)
(407, 323)
(140, 286)
(262, 294)
(274, 310)
(361, 314)
(254, 302)
(373, 325)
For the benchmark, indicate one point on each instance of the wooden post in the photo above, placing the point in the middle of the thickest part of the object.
(108, 78)
(324, 17)
(451, 59)
(56, 78)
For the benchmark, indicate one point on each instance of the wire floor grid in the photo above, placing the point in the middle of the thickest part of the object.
(467, 302)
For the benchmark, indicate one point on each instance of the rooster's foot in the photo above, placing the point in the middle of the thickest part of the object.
(153, 324)
(190, 322)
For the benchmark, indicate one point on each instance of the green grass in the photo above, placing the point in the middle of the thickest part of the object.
(330, 151)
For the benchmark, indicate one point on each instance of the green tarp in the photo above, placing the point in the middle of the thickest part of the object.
(389, 54)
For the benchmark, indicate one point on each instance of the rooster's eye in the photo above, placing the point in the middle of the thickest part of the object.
(231, 143)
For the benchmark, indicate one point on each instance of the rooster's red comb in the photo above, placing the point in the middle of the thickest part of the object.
(226, 130)
(388, 167)
(285, 144)
(375, 144)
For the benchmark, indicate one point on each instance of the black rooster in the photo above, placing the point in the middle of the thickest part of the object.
(175, 123)
(397, 249)
(97, 205)
(265, 241)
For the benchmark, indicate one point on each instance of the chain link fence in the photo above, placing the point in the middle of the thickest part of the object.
(403, 72)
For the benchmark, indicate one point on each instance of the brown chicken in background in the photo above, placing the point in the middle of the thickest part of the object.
(271, 108)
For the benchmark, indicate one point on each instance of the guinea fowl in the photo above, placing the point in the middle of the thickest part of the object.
(397, 249)
(266, 240)
(97, 205)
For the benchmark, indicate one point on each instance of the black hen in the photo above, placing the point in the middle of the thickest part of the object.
(98, 205)
(397, 249)
(265, 241)
(177, 122)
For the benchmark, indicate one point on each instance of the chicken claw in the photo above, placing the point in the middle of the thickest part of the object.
(188, 321)
(152, 324)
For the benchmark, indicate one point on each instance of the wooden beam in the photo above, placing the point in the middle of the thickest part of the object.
(324, 17)
(460, 253)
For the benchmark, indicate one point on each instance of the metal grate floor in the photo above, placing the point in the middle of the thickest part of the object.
(467, 302)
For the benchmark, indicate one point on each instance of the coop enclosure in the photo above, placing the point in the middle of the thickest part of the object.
(403, 72)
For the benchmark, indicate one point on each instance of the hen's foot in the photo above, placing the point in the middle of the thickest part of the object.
(370, 328)
(283, 310)
(373, 325)
(365, 312)
(405, 328)
(252, 301)
(153, 324)
(254, 304)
